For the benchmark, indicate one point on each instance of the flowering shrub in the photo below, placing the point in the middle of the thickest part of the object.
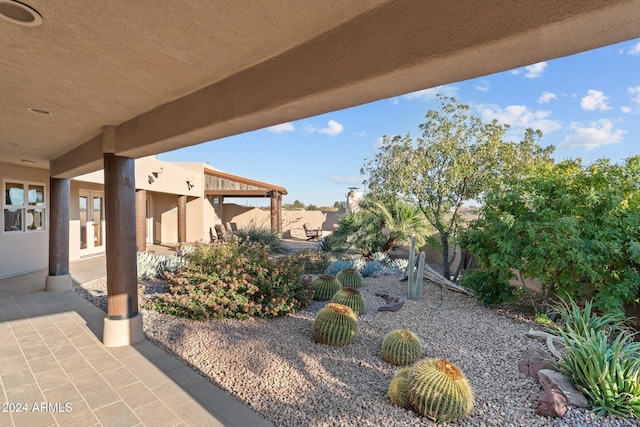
(235, 279)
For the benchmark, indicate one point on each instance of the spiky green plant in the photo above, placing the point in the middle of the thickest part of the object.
(351, 298)
(398, 388)
(370, 268)
(604, 368)
(401, 347)
(350, 278)
(437, 388)
(335, 324)
(325, 286)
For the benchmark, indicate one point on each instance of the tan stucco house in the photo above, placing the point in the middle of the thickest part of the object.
(86, 89)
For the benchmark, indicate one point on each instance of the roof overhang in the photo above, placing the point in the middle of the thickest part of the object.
(140, 78)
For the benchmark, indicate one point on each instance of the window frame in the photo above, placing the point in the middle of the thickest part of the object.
(26, 207)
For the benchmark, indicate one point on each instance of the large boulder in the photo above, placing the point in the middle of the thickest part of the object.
(533, 361)
(554, 380)
(552, 403)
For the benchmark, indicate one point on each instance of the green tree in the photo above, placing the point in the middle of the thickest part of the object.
(379, 226)
(457, 159)
(573, 227)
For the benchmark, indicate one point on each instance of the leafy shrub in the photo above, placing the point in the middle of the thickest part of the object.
(491, 287)
(370, 268)
(313, 261)
(263, 235)
(606, 370)
(235, 279)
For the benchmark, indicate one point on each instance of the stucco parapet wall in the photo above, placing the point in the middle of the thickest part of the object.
(167, 177)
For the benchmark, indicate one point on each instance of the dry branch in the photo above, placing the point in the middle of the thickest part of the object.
(439, 279)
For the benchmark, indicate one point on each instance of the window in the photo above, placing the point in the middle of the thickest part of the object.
(24, 207)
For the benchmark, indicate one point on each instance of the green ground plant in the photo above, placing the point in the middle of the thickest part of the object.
(235, 279)
(255, 233)
(601, 359)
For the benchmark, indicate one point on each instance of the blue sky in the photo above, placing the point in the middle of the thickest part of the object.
(587, 105)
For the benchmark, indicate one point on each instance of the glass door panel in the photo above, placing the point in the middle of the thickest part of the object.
(83, 222)
(98, 216)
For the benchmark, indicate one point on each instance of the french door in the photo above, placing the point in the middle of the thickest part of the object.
(92, 224)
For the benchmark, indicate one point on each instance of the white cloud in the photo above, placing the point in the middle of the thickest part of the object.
(597, 134)
(333, 128)
(283, 127)
(635, 50)
(535, 70)
(520, 117)
(546, 97)
(626, 109)
(309, 129)
(427, 94)
(635, 94)
(483, 86)
(345, 179)
(359, 134)
(595, 100)
(395, 101)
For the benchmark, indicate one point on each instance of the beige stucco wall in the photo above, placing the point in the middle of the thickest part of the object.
(24, 252)
(292, 221)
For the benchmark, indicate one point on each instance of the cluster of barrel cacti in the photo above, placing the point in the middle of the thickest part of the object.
(325, 286)
(335, 324)
(435, 388)
(151, 265)
(351, 298)
(401, 347)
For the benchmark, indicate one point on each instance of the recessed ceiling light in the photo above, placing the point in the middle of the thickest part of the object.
(39, 110)
(27, 161)
(19, 13)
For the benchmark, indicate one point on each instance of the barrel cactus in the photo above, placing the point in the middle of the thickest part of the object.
(335, 324)
(350, 278)
(325, 286)
(436, 388)
(401, 347)
(398, 388)
(352, 299)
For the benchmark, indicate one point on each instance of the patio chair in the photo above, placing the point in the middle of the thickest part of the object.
(221, 233)
(312, 233)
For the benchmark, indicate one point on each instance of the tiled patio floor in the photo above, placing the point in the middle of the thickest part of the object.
(55, 371)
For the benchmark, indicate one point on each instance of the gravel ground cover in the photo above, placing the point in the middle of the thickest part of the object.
(275, 366)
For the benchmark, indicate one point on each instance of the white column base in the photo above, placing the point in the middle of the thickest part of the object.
(122, 332)
(58, 283)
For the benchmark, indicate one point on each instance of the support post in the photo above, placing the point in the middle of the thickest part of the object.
(276, 212)
(59, 278)
(123, 324)
(182, 219)
(141, 220)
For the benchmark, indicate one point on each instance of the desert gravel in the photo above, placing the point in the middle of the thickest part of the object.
(275, 366)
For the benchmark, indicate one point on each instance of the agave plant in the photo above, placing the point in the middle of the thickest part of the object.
(605, 369)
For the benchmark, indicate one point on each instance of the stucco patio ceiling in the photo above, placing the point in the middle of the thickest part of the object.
(166, 75)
